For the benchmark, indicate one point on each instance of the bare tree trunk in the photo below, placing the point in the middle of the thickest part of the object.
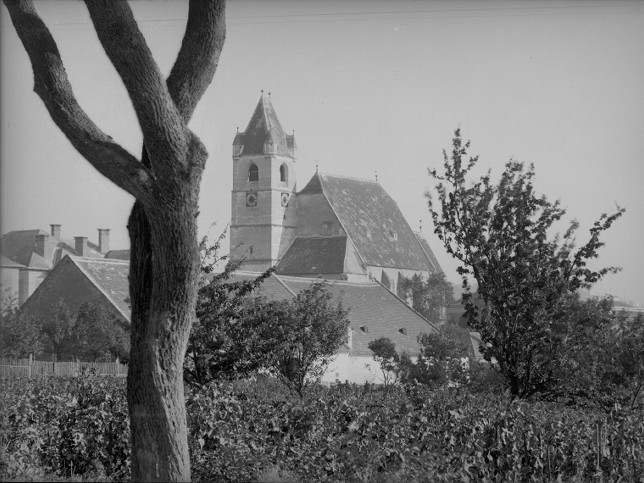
(160, 329)
(164, 265)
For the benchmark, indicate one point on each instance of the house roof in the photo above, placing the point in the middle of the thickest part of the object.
(314, 255)
(8, 263)
(20, 246)
(118, 254)
(272, 288)
(76, 280)
(111, 277)
(375, 308)
(373, 221)
(370, 305)
(264, 126)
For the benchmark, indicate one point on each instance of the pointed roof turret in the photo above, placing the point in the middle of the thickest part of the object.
(263, 127)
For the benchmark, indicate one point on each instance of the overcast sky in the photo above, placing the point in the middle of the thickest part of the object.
(367, 86)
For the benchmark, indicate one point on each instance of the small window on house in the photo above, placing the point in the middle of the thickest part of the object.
(284, 173)
(384, 279)
(253, 172)
(251, 249)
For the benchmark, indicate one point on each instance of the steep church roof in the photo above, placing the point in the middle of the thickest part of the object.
(264, 126)
(428, 251)
(314, 255)
(373, 221)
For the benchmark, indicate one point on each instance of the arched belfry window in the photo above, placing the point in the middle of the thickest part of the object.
(253, 172)
(284, 173)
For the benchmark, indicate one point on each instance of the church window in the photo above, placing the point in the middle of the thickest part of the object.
(284, 173)
(253, 172)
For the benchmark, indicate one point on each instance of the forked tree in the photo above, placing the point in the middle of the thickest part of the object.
(164, 265)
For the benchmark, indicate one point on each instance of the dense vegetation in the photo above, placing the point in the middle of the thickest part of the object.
(91, 334)
(247, 431)
(518, 276)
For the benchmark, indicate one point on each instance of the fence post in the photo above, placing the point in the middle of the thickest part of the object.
(31, 362)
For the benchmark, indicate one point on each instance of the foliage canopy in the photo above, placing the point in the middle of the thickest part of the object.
(501, 235)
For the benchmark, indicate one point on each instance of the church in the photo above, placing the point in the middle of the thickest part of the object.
(347, 231)
(335, 228)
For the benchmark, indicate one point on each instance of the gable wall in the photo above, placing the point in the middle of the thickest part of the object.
(9, 285)
(69, 284)
(313, 211)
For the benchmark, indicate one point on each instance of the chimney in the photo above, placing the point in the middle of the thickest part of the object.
(80, 245)
(55, 231)
(103, 240)
(44, 247)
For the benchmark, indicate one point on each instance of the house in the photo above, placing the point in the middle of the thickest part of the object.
(29, 255)
(78, 280)
(374, 311)
(336, 227)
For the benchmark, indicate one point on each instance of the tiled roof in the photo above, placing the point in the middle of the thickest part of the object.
(372, 220)
(428, 251)
(314, 255)
(8, 263)
(376, 308)
(118, 254)
(76, 281)
(111, 277)
(264, 126)
(272, 288)
(19, 245)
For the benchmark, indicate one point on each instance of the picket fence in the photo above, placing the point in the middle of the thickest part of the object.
(30, 367)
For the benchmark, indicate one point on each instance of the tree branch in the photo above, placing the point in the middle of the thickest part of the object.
(53, 87)
(165, 134)
(198, 58)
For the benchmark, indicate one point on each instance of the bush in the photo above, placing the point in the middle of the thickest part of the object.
(65, 427)
(245, 431)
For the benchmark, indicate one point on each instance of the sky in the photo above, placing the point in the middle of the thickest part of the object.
(367, 87)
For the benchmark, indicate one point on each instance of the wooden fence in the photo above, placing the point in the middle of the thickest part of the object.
(30, 367)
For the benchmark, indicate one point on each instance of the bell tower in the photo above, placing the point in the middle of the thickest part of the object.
(263, 212)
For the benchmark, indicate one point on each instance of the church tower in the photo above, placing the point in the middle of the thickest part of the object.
(263, 212)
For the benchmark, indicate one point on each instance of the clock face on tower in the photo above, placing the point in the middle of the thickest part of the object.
(285, 198)
(251, 199)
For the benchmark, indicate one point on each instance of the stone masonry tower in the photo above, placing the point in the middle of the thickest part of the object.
(263, 212)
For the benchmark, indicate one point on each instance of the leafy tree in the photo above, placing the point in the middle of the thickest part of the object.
(384, 353)
(225, 343)
(500, 234)
(164, 265)
(442, 359)
(19, 335)
(604, 358)
(429, 296)
(58, 331)
(99, 335)
(311, 329)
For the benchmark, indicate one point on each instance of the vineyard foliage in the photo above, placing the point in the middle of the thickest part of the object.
(246, 431)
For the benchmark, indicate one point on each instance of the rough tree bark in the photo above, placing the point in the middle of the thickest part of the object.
(165, 183)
